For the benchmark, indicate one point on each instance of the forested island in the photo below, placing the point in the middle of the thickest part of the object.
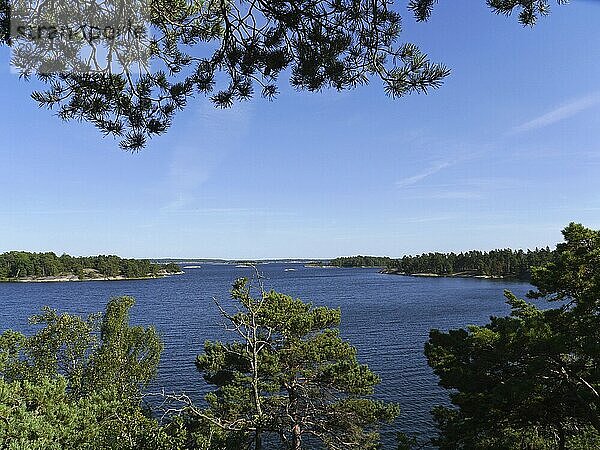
(27, 266)
(501, 263)
(362, 261)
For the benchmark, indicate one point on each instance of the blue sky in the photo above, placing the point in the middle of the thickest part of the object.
(504, 155)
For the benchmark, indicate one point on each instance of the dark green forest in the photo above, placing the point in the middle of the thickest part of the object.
(18, 265)
(504, 263)
(361, 261)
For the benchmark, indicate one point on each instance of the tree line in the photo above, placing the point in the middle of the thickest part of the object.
(361, 261)
(504, 263)
(287, 380)
(15, 265)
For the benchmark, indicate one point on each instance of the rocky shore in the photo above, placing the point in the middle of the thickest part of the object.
(467, 274)
(89, 276)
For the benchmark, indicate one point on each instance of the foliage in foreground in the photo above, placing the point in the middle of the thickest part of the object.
(289, 380)
(532, 379)
(77, 383)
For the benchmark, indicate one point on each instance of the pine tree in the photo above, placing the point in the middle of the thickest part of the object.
(533, 378)
(289, 380)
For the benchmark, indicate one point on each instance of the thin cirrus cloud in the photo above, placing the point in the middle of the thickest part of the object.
(215, 132)
(409, 181)
(559, 114)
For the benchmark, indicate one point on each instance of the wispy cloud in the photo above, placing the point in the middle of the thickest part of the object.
(216, 132)
(463, 189)
(441, 194)
(233, 212)
(409, 181)
(560, 113)
(454, 195)
(50, 212)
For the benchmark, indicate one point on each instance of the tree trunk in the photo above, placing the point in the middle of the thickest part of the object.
(296, 438)
(562, 441)
(257, 441)
(252, 341)
(595, 421)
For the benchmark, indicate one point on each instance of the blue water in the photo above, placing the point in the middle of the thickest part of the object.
(386, 317)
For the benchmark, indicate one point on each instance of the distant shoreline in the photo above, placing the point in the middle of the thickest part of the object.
(75, 278)
(328, 266)
(453, 275)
